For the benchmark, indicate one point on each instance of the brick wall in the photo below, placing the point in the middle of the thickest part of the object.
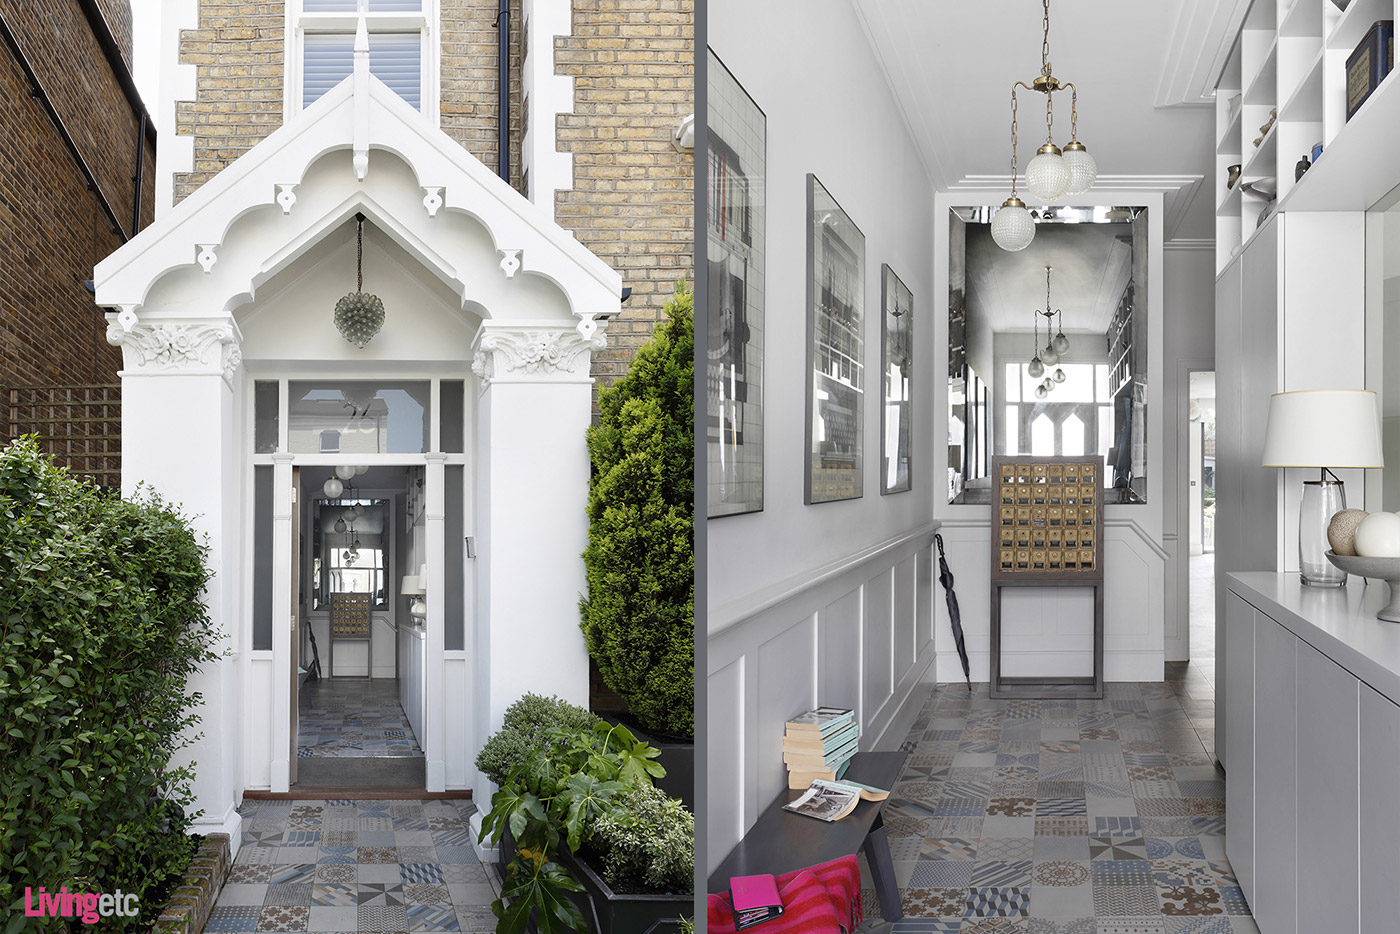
(240, 62)
(52, 230)
(633, 66)
(238, 54)
(117, 13)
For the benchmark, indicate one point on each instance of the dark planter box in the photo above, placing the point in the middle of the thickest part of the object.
(677, 758)
(608, 912)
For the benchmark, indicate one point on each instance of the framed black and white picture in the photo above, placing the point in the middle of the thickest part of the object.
(835, 349)
(897, 369)
(735, 166)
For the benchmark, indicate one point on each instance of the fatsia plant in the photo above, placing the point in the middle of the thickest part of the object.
(554, 796)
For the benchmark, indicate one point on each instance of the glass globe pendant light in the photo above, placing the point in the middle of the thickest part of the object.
(1036, 368)
(333, 488)
(1052, 172)
(1059, 375)
(1060, 343)
(1048, 355)
(359, 316)
(1040, 392)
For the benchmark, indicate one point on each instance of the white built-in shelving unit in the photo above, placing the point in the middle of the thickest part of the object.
(1290, 59)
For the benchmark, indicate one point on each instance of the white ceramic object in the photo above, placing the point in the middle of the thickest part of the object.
(1386, 569)
(1378, 536)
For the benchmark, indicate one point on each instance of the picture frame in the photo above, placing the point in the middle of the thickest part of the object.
(835, 350)
(736, 167)
(897, 378)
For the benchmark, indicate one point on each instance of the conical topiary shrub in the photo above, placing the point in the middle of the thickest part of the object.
(639, 613)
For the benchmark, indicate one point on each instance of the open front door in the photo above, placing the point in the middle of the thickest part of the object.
(295, 628)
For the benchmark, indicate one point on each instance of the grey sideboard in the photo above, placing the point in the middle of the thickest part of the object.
(1312, 791)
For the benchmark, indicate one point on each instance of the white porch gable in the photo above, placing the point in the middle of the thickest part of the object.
(533, 307)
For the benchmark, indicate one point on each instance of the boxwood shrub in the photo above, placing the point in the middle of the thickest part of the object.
(639, 613)
(101, 625)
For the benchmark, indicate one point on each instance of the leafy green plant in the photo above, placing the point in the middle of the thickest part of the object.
(639, 614)
(554, 796)
(101, 626)
(526, 722)
(649, 837)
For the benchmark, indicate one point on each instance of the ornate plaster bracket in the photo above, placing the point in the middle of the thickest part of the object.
(206, 256)
(533, 355)
(286, 197)
(177, 347)
(510, 262)
(432, 200)
(590, 321)
(126, 320)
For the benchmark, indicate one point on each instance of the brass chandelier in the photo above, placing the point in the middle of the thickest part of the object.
(1051, 353)
(1053, 172)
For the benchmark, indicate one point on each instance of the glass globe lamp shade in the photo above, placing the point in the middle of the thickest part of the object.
(1060, 343)
(1047, 384)
(340, 525)
(361, 469)
(359, 316)
(333, 488)
(1083, 170)
(1035, 368)
(345, 472)
(1048, 175)
(1048, 356)
(1058, 376)
(1040, 392)
(1012, 226)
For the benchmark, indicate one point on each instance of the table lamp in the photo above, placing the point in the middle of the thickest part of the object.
(1323, 428)
(412, 586)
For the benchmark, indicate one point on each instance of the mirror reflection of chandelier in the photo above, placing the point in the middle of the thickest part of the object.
(1055, 348)
(1053, 172)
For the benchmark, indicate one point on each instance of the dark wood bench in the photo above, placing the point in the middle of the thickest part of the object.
(781, 841)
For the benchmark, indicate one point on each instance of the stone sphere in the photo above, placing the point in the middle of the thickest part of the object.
(1378, 536)
(1341, 531)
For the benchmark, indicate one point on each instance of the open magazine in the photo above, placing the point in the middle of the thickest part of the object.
(831, 801)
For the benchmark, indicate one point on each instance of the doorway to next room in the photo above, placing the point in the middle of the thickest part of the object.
(360, 698)
(1200, 511)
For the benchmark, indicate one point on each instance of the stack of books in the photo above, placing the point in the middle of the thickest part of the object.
(818, 745)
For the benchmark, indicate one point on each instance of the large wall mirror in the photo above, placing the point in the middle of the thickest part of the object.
(1068, 383)
(1383, 345)
(351, 550)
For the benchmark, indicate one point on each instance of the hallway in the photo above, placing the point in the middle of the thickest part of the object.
(1065, 817)
(353, 718)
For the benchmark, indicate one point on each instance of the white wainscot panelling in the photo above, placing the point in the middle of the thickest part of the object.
(257, 727)
(1049, 627)
(458, 743)
(854, 635)
(787, 684)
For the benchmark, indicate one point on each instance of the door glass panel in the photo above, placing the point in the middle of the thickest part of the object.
(454, 630)
(1042, 436)
(266, 414)
(345, 417)
(262, 559)
(1072, 437)
(451, 432)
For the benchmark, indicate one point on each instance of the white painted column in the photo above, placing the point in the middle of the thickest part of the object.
(177, 437)
(283, 622)
(531, 493)
(435, 513)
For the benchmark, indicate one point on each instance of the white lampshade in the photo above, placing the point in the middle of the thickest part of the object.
(1323, 428)
(345, 471)
(1083, 170)
(411, 586)
(333, 488)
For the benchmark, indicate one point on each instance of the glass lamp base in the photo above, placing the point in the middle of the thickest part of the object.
(1322, 499)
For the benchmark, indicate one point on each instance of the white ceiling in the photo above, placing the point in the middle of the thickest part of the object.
(1091, 266)
(952, 66)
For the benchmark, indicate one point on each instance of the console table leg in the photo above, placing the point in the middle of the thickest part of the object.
(877, 854)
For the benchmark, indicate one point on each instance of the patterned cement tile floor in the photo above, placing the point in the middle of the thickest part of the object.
(353, 717)
(341, 865)
(1063, 816)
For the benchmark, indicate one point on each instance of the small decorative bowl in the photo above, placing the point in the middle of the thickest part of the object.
(1386, 569)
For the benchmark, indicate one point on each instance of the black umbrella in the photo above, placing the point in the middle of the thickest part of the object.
(945, 577)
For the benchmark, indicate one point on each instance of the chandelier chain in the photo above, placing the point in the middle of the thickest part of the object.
(1049, 118)
(1073, 112)
(359, 254)
(1045, 43)
(1013, 141)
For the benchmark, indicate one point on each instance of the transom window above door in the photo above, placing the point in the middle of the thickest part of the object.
(402, 48)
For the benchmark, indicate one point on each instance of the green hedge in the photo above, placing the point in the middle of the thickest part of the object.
(639, 614)
(101, 625)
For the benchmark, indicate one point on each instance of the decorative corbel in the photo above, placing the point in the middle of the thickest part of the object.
(432, 200)
(286, 197)
(206, 256)
(510, 262)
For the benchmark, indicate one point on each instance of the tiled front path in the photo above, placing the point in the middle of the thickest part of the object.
(1064, 817)
(342, 865)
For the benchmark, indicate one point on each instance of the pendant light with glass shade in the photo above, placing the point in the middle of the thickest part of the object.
(1053, 172)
